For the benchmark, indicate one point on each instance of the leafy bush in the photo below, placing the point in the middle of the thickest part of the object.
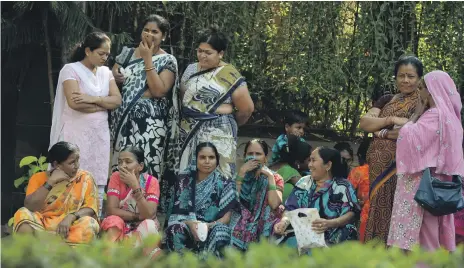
(47, 251)
(34, 165)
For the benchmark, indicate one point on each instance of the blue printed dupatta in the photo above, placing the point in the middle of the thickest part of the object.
(205, 201)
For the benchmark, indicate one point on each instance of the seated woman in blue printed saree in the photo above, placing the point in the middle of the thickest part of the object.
(260, 196)
(332, 195)
(202, 195)
(149, 111)
(211, 89)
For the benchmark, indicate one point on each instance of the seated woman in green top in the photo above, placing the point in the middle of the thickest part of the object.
(294, 158)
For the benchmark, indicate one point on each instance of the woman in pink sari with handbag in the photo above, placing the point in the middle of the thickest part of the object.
(431, 139)
(133, 199)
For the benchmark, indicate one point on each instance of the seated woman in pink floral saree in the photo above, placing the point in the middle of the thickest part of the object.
(133, 199)
(431, 139)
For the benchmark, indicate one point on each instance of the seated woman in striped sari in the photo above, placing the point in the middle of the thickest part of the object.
(63, 200)
(133, 198)
(202, 196)
(332, 195)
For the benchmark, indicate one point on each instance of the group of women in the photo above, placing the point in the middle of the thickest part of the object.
(174, 148)
(144, 96)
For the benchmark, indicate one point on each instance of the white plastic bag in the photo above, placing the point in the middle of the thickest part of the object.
(202, 231)
(301, 220)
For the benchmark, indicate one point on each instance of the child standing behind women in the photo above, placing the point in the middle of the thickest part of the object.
(295, 122)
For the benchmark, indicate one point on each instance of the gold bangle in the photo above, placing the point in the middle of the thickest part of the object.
(149, 69)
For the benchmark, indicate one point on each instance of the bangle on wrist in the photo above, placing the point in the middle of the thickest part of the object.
(149, 69)
(48, 186)
(136, 191)
(239, 178)
(383, 133)
(271, 187)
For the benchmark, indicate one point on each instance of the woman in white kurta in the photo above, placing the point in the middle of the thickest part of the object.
(85, 92)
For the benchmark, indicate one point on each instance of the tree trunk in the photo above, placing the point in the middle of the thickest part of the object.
(48, 49)
(326, 113)
(356, 116)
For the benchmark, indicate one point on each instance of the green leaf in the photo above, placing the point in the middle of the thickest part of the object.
(11, 221)
(42, 160)
(20, 181)
(27, 161)
(34, 169)
(44, 167)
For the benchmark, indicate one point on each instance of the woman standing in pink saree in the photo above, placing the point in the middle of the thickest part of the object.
(432, 139)
(85, 92)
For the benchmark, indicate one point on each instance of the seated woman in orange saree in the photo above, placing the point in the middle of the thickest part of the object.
(133, 199)
(63, 200)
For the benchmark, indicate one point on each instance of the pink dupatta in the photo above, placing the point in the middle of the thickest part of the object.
(435, 140)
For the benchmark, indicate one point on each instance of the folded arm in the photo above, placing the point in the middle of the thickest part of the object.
(71, 86)
(113, 100)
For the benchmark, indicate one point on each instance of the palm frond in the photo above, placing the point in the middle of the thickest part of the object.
(118, 8)
(23, 6)
(17, 32)
(120, 39)
(73, 22)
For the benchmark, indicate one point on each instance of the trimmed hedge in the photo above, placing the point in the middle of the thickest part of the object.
(48, 251)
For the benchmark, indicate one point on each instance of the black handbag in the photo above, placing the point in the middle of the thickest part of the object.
(440, 197)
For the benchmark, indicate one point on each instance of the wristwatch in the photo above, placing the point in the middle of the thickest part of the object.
(47, 186)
